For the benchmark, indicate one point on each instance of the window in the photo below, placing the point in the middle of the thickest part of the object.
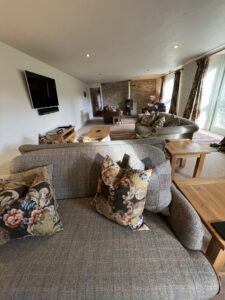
(168, 91)
(212, 116)
(218, 120)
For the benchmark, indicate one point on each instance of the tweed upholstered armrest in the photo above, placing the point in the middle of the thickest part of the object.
(185, 222)
(182, 129)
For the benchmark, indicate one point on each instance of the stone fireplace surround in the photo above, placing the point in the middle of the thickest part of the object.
(115, 93)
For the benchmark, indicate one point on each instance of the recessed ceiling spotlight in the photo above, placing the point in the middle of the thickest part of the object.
(175, 46)
(87, 55)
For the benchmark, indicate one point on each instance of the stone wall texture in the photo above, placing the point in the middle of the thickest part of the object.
(115, 94)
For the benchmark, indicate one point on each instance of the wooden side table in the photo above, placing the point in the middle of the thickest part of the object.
(207, 196)
(182, 149)
(63, 135)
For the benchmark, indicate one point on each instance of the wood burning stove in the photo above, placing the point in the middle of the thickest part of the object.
(128, 102)
(128, 106)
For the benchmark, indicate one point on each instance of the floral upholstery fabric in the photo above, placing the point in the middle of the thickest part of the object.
(158, 123)
(192, 109)
(13, 187)
(148, 119)
(121, 193)
(28, 208)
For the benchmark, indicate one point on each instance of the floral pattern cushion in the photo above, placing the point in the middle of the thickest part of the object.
(28, 208)
(158, 123)
(121, 193)
(148, 119)
(13, 187)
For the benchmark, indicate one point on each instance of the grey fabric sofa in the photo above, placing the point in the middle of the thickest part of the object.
(185, 129)
(94, 258)
(156, 142)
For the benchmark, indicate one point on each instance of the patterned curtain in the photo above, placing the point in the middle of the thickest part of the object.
(173, 105)
(161, 89)
(192, 109)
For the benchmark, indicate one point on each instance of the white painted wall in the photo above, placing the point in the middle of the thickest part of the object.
(19, 123)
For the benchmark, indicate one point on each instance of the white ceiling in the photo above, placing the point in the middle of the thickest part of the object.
(125, 38)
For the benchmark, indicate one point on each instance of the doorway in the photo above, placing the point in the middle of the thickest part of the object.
(96, 101)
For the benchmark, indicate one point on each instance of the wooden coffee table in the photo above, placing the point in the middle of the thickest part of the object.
(185, 148)
(207, 196)
(98, 133)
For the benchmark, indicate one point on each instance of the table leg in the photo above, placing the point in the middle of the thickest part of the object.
(199, 165)
(182, 162)
(173, 165)
(216, 255)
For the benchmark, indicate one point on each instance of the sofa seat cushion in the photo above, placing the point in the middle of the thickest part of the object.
(94, 258)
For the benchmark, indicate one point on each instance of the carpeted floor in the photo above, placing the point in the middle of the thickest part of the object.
(116, 131)
(214, 165)
(204, 138)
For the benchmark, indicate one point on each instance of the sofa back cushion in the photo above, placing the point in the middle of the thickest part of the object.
(159, 194)
(173, 120)
(76, 170)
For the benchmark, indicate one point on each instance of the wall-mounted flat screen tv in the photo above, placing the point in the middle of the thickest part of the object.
(42, 90)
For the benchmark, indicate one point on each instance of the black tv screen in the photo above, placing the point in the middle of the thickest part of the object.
(42, 90)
